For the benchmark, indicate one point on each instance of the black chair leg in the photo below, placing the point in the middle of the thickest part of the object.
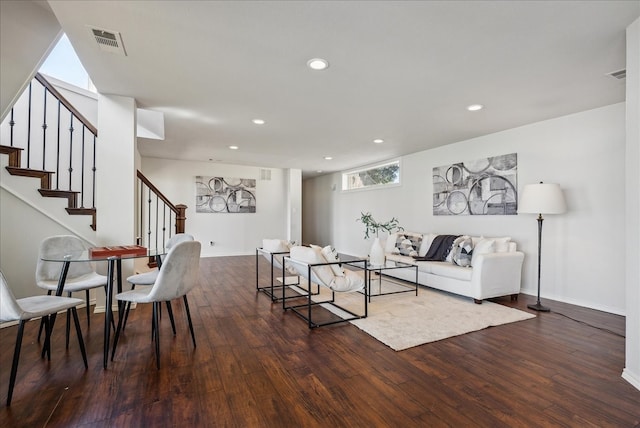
(156, 311)
(68, 326)
(117, 336)
(16, 357)
(88, 309)
(186, 306)
(46, 349)
(79, 334)
(113, 323)
(42, 320)
(126, 315)
(173, 323)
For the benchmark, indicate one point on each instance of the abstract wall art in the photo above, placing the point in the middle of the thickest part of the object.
(487, 186)
(225, 195)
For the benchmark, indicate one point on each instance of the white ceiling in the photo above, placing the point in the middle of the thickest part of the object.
(401, 71)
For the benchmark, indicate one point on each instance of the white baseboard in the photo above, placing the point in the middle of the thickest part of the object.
(632, 378)
(576, 302)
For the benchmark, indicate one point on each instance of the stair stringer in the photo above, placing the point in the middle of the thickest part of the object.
(26, 189)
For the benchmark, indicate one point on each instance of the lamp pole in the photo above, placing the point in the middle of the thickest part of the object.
(538, 306)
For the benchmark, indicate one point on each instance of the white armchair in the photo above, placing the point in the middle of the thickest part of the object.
(310, 263)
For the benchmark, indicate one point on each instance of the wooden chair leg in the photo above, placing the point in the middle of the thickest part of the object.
(14, 365)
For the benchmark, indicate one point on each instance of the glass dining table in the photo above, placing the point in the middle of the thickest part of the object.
(114, 274)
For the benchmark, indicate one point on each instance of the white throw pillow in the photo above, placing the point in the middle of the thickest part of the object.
(312, 255)
(502, 244)
(483, 246)
(351, 281)
(331, 255)
(275, 245)
(390, 244)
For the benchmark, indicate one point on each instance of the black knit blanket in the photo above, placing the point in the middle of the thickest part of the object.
(439, 249)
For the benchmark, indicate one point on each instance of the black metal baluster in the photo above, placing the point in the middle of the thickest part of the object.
(29, 129)
(11, 123)
(70, 150)
(157, 212)
(149, 215)
(58, 151)
(164, 224)
(82, 171)
(93, 180)
(44, 129)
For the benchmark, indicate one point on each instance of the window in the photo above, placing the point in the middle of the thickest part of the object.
(385, 174)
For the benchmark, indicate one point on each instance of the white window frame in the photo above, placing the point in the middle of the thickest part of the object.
(347, 174)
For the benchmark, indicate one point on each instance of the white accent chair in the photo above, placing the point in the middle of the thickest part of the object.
(149, 278)
(274, 250)
(311, 264)
(177, 276)
(82, 276)
(24, 309)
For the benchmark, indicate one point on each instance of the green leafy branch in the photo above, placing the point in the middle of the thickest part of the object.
(373, 226)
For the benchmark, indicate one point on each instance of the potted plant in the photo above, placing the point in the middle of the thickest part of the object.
(376, 255)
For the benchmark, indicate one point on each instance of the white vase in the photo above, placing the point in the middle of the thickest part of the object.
(376, 255)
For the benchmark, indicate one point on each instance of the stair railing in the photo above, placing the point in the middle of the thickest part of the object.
(157, 217)
(52, 140)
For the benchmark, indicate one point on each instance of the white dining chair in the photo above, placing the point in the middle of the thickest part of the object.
(149, 278)
(82, 276)
(177, 276)
(22, 310)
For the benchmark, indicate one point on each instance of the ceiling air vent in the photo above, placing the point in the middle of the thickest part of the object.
(265, 174)
(620, 74)
(109, 41)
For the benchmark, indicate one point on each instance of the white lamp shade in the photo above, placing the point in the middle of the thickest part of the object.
(542, 198)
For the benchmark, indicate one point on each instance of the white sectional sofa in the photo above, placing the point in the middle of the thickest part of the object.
(496, 266)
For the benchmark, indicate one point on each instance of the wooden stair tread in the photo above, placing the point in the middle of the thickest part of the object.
(44, 176)
(84, 211)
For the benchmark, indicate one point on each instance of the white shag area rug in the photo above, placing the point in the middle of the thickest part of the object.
(402, 321)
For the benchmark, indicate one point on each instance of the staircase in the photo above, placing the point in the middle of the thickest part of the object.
(65, 156)
(57, 146)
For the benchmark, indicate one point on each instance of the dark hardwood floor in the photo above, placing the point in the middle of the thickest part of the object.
(256, 366)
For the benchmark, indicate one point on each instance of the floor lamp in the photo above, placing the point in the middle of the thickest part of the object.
(542, 198)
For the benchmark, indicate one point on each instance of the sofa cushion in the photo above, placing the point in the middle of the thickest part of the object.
(425, 267)
(450, 270)
(483, 246)
(461, 251)
(390, 244)
(427, 239)
(400, 258)
(408, 243)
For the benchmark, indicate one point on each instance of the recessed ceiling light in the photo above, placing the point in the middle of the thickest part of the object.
(328, 158)
(233, 147)
(378, 141)
(318, 64)
(258, 121)
(319, 171)
(475, 107)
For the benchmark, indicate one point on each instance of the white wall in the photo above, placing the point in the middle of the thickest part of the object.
(232, 234)
(22, 50)
(582, 249)
(632, 367)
